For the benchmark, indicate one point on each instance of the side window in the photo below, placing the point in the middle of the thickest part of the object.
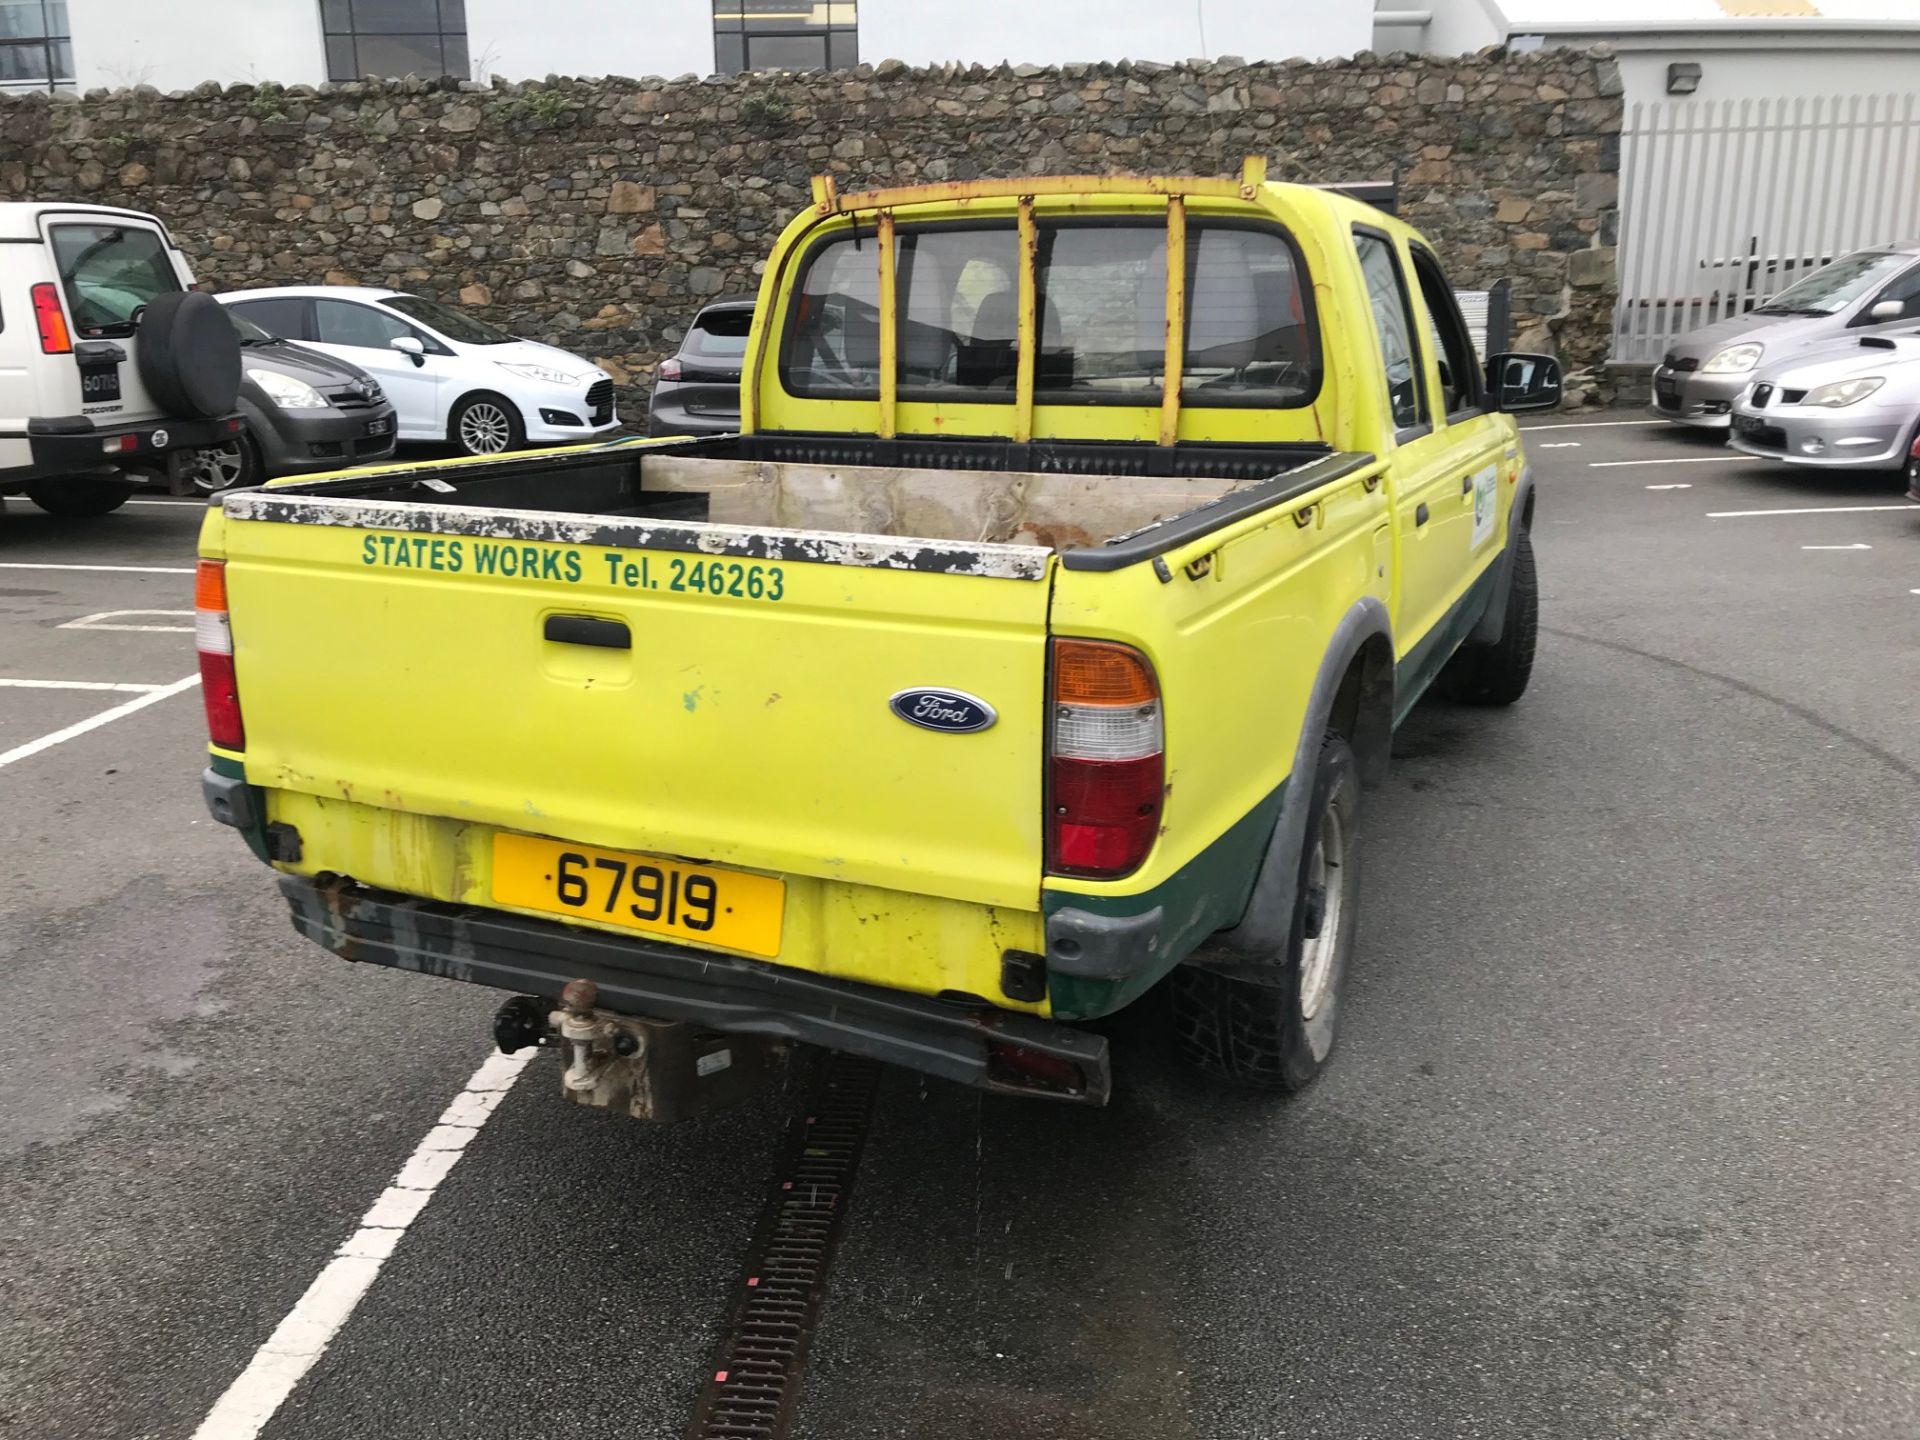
(341, 322)
(285, 318)
(1459, 369)
(109, 272)
(1393, 320)
(1906, 290)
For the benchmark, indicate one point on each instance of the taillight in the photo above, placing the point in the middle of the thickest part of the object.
(54, 339)
(213, 637)
(1106, 767)
(667, 370)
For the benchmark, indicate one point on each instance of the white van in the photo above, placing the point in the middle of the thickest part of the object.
(113, 369)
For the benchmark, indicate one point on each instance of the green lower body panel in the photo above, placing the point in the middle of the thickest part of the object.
(1422, 664)
(1208, 893)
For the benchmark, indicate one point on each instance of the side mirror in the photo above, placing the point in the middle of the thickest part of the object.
(1888, 310)
(1518, 382)
(409, 347)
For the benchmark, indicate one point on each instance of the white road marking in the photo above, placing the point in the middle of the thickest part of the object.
(1670, 487)
(303, 1336)
(1559, 445)
(74, 685)
(98, 622)
(94, 722)
(1855, 546)
(1814, 510)
(1587, 425)
(1684, 460)
(181, 503)
(121, 569)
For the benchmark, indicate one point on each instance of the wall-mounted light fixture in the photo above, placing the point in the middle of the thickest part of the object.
(1683, 77)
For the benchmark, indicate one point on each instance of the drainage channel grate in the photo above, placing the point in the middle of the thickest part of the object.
(755, 1380)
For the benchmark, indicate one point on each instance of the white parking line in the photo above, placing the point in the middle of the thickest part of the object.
(119, 569)
(1812, 510)
(1854, 546)
(1558, 445)
(181, 503)
(94, 722)
(1678, 486)
(1587, 425)
(98, 622)
(74, 685)
(300, 1340)
(1685, 460)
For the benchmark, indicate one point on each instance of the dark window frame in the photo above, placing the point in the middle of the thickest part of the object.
(1423, 423)
(1472, 392)
(957, 395)
(740, 19)
(450, 23)
(305, 302)
(55, 45)
(429, 342)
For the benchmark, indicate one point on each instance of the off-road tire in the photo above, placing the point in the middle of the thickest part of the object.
(189, 355)
(77, 495)
(1497, 674)
(1260, 1035)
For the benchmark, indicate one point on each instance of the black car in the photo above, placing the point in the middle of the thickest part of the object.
(304, 411)
(697, 391)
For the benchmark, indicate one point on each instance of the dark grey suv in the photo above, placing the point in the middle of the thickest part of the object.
(697, 390)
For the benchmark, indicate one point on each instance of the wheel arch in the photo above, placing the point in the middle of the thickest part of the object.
(1492, 623)
(479, 392)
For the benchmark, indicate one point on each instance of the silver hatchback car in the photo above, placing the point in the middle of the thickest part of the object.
(1849, 403)
(1866, 293)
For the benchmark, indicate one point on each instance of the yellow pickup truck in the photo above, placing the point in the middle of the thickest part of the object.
(1083, 542)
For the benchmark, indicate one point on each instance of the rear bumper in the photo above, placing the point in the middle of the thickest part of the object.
(74, 445)
(649, 978)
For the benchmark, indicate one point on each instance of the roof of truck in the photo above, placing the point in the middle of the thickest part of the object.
(20, 219)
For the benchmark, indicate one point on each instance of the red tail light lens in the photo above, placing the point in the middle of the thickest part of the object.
(667, 370)
(1106, 767)
(213, 637)
(54, 339)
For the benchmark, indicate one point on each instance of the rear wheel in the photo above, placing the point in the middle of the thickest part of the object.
(79, 495)
(1497, 674)
(222, 467)
(1277, 1032)
(486, 424)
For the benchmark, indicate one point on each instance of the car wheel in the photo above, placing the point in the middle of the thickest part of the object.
(486, 424)
(1497, 674)
(79, 495)
(222, 467)
(1276, 1032)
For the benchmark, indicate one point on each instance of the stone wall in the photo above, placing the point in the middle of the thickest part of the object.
(597, 214)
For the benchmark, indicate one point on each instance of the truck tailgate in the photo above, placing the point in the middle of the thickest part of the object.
(706, 692)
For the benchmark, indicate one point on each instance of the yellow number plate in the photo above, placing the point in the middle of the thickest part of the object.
(641, 892)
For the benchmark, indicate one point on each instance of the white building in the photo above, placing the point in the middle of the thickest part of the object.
(177, 44)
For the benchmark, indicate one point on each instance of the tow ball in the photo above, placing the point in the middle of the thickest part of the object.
(652, 1069)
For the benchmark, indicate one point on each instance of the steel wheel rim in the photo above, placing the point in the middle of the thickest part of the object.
(484, 429)
(1327, 874)
(217, 468)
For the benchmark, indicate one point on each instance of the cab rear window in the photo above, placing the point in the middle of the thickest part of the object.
(1102, 289)
(109, 272)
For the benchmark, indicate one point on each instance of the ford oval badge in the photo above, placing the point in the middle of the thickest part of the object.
(953, 711)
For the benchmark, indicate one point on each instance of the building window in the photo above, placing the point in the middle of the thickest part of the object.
(395, 37)
(784, 35)
(36, 45)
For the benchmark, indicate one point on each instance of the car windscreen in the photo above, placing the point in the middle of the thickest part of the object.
(250, 333)
(718, 335)
(457, 326)
(1102, 313)
(109, 272)
(1832, 288)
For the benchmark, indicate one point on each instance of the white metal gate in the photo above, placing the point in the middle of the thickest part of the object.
(1723, 202)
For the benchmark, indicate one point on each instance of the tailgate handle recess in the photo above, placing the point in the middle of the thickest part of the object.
(589, 630)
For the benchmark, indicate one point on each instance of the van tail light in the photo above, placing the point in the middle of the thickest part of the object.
(1106, 762)
(213, 638)
(54, 339)
(667, 370)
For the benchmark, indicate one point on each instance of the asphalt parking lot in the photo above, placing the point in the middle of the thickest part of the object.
(1621, 1140)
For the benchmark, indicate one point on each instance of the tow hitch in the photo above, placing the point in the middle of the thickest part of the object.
(651, 1069)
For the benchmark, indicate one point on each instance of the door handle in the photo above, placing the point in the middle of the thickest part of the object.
(588, 630)
(1420, 515)
(1466, 484)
